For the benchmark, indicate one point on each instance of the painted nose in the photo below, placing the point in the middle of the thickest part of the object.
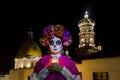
(54, 45)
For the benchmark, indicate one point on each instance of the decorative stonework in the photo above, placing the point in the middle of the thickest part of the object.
(87, 36)
(25, 62)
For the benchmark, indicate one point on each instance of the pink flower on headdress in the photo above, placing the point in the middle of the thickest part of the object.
(66, 38)
(48, 31)
(67, 43)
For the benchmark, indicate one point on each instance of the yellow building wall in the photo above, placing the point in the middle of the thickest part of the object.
(20, 74)
(87, 67)
(110, 65)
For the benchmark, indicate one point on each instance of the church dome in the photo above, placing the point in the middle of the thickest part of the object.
(86, 21)
(29, 48)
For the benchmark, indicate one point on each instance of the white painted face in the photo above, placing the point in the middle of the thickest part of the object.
(55, 45)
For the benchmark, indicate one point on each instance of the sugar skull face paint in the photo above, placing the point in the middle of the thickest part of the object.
(55, 45)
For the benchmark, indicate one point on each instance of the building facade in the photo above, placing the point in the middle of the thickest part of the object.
(87, 37)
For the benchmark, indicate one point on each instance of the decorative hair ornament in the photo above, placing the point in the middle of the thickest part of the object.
(55, 30)
(44, 41)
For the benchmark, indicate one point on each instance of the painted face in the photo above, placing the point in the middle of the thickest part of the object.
(55, 45)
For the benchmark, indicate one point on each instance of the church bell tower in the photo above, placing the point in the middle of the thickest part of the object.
(87, 35)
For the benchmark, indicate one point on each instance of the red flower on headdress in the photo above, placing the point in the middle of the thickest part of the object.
(44, 41)
(59, 30)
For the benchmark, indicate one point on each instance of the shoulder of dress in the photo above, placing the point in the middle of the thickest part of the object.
(44, 57)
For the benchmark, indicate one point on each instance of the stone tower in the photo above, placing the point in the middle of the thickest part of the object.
(86, 36)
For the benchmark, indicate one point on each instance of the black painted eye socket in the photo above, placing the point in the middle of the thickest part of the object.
(58, 42)
(51, 42)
